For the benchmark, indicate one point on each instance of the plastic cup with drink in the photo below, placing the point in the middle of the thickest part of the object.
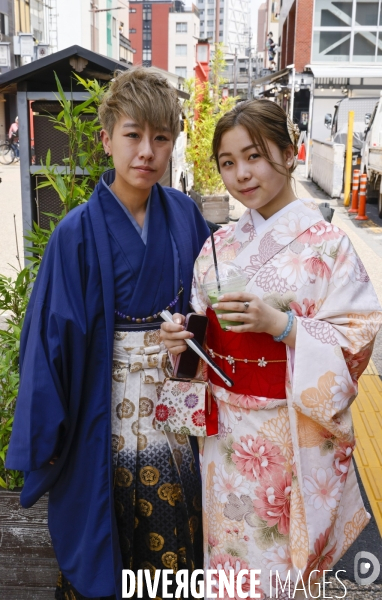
(231, 279)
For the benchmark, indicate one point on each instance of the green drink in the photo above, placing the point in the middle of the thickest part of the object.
(231, 279)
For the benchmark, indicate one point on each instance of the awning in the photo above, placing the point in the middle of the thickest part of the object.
(271, 78)
(344, 72)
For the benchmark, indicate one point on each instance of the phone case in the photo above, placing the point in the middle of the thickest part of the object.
(186, 363)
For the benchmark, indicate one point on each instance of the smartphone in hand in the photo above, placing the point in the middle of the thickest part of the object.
(186, 363)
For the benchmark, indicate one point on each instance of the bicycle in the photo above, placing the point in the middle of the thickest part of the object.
(8, 152)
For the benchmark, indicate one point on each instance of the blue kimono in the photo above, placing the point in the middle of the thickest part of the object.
(63, 406)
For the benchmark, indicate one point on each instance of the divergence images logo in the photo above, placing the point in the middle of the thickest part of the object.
(363, 562)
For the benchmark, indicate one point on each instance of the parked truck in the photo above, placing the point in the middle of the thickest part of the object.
(337, 123)
(371, 162)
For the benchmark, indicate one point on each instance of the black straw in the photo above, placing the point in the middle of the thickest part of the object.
(215, 261)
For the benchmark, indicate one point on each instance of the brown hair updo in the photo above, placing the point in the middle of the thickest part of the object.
(264, 120)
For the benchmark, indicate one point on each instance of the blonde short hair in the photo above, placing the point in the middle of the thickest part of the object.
(144, 96)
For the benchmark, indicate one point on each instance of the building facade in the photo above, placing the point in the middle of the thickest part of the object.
(100, 25)
(234, 19)
(30, 29)
(267, 50)
(164, 35)
(337, 47)
(7, 28)
(261, 27)
(148, 32)
(183, 34)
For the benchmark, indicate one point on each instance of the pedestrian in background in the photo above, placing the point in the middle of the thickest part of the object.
(13, 136)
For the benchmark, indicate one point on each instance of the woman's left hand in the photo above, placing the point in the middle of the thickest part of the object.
(259, 317)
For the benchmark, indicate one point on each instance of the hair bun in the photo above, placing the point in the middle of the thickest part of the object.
(293, 131)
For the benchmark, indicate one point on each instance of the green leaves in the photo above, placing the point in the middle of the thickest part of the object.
(84, 159)
(204, 109)
(14, 296)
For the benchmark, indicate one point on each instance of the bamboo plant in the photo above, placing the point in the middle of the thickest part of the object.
(84, 164)
(205, 107)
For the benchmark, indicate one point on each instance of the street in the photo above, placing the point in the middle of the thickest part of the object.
(367, 409)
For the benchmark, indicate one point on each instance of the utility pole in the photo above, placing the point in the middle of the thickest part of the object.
(291, 108)
(95, 10)
(217, 21)
(216, 71)
(235, 73)
(249, 95)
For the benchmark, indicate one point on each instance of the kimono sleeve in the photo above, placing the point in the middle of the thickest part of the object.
(52, 357)
(51, 370)
(334, 347)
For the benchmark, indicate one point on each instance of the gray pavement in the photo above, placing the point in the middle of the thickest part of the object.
(10, 205)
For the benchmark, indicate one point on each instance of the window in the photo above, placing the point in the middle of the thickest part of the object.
(210, 34)
(146, 13)
(147, 35)
(132, 30)
(181, 28)
(201, 23)
(146, 54)
(181, 50)
(210, 23)
(4, 24)
(132, 10)
(221, 22)
(181, 71)
(210, 11)
(201, 12)
(114, 27)
(347, 31)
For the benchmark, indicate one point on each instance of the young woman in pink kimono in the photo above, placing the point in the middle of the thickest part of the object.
(280, 492)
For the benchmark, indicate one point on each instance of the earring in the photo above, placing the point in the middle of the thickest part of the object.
(107, 154)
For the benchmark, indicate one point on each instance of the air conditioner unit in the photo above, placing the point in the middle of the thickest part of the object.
(5, 55)
(42, 50)
(23, 44)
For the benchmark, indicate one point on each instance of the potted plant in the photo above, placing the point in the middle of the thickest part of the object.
(204, 109)
(29, 568)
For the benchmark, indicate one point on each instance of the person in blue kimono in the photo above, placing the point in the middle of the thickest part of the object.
(121, 494)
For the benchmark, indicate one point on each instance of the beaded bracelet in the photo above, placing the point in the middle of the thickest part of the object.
(288, 328)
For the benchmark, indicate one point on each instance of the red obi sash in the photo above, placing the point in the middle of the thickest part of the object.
(264, 378)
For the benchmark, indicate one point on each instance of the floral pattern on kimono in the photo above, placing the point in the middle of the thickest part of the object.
(280, 491)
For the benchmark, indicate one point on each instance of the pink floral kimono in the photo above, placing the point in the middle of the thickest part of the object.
(279, 487)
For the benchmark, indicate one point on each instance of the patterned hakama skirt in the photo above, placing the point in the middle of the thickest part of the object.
(157, 491)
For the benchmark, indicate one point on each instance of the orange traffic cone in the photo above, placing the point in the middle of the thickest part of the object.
(302, 153)
(354, 191)
(362, 199)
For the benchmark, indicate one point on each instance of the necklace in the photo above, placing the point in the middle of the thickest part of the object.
(150, 318)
